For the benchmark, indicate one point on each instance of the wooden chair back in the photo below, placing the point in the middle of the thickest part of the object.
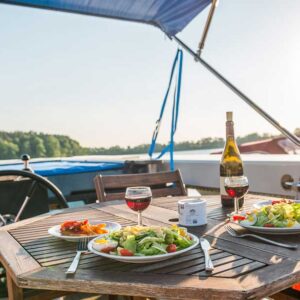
(113, 187)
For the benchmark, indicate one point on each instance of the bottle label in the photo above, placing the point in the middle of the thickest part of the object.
(222, 187)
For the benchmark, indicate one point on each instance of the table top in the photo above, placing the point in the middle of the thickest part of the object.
(244, 268)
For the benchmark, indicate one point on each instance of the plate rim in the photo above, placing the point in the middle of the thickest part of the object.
(54, 232)
(260, 203)
(271, 229)
(146, 258)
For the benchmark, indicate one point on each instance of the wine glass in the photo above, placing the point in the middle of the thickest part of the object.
(138, 199)
(236, 187)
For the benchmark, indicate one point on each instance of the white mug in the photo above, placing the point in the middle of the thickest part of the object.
(192, 212)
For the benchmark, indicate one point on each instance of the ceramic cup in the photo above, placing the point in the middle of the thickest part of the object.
(192, 212)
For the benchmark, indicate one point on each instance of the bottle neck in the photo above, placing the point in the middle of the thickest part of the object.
(229, 129)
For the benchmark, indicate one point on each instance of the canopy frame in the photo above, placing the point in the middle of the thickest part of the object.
(207, 26)
(292, 137)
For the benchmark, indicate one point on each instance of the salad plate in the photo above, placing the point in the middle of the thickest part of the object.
(138, 257)
(276, 217)
(143, 259)
(109, 227)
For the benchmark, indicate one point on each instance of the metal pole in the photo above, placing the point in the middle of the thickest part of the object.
(259, 110)
(206, 27)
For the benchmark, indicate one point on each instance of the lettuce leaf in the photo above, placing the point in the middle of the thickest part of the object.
(130, 243)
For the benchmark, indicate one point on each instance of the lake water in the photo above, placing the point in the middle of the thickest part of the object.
(197, 152)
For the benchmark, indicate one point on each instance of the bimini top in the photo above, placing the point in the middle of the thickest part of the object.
(171, 16)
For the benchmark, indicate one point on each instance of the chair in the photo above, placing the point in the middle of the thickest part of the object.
(113, 187)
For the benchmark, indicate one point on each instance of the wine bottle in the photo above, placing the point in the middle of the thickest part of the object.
(231, 163)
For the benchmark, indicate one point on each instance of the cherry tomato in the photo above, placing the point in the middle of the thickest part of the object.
(238, 218)
(171, 248)
(268, 225)
(125, 252)
(296, 286)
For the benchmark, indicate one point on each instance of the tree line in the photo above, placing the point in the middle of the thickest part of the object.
(14, 144)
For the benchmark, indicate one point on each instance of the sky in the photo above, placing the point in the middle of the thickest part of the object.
(102, 81)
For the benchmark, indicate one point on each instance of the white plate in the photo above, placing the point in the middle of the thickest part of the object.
(110, 226)
(272, 230)
(144, 259)
(268, 202)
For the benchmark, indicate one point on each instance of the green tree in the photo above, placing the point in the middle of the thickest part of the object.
(38, 148)
(52, 146)
(8, 150)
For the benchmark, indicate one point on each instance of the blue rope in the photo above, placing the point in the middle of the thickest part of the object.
(175, 112)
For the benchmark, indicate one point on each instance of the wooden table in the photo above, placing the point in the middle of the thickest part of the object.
(244, 268)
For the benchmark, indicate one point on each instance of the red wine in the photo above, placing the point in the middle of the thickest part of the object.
(138, 203)
(237, 191)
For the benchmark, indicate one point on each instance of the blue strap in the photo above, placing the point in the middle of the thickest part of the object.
(175, 112)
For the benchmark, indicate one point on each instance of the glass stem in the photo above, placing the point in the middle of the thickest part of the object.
(140, 218)
(236, 205)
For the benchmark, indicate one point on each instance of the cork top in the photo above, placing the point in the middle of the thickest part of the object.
(229, 115)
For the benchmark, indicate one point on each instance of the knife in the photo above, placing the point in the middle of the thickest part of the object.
(205, 245)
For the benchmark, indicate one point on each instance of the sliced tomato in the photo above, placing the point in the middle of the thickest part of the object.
(269, 225)
(125, 252)
(276, 201)
(108, 249)
(171, 248)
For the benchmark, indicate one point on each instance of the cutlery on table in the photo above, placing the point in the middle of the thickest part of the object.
(234, 233)
(205, 245)
(81, 247)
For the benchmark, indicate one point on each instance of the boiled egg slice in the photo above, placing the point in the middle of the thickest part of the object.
(104, 245)
(249, 221)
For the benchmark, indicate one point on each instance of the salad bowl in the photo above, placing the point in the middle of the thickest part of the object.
(143, 259)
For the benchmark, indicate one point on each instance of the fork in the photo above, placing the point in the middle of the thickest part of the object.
(81, 247)
(233, 232)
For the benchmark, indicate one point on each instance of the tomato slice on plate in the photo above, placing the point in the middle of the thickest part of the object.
(125, 252)
(268, 225)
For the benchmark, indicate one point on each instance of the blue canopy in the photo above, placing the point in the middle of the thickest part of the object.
(171, 16)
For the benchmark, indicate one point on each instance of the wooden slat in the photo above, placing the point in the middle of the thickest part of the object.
(226, 266)
(195, 269)
(241, 270)
(147, 179)
(188, 263)
(160, 192)
(14, 257)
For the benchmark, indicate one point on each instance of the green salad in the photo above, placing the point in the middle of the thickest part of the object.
(144, 241)
(279, 214)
